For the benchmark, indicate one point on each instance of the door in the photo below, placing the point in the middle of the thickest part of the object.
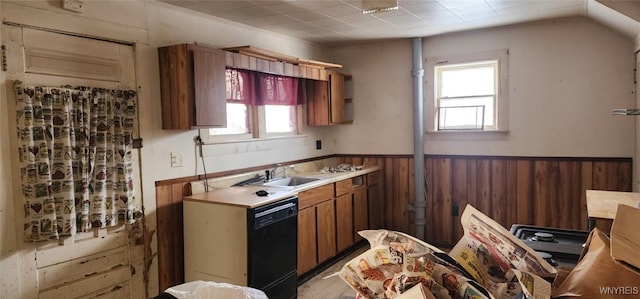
(108, 261)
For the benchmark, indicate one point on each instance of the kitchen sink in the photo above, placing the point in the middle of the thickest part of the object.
(289, 182)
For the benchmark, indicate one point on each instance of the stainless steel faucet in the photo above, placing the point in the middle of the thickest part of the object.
(273, 171)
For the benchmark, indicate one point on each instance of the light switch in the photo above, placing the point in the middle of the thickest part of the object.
(176, 160)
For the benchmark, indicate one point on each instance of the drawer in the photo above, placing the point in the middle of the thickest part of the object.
(373, 178)
(343, 187)
(315, 196)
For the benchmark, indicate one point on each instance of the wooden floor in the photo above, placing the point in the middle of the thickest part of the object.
(325, 286)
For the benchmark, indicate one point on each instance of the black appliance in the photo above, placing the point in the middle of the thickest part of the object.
(560, 247)
(273, 249)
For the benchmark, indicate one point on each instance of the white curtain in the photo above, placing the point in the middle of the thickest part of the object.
(75, 151)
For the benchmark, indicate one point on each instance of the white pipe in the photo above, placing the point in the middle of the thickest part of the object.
(419, 203)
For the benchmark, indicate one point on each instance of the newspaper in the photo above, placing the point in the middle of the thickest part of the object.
(499, 261)
(396, 262)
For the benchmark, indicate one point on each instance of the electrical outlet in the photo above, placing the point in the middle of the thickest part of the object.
(176, 160)
(318, 144)
(73, 5)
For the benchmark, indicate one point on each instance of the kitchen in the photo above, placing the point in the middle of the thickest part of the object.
(549, 93)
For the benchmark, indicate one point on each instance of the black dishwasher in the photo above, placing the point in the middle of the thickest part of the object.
(273, 248)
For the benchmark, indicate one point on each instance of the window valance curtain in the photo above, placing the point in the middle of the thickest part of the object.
(256, 88)
(75, 152)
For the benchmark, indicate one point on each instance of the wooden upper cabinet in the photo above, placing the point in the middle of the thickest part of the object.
(336, 99)
(192, 85)
(326, 102)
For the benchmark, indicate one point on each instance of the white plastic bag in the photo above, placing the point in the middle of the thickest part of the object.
(214, 290)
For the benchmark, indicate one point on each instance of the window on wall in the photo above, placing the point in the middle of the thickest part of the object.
(467, 93)
(280, 119)
(237, 121)
(260, 105)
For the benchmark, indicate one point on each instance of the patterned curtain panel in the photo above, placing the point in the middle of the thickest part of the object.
(75, 155)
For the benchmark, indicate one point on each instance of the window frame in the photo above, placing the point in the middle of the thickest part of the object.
(296, 117)
(257, 128)
(231, 137)
(501, 105)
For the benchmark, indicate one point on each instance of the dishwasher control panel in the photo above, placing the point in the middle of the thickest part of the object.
(274, 212)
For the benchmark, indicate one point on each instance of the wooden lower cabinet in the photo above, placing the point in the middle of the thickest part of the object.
(326, 230)
(344, 221)
(316, 227)
(330, 217)
(307, 245)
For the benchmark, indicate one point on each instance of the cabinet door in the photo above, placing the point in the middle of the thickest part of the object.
(336, 99)
(210, 87)
(317, 103)
(344, 221)
(306, 240)
(360, 211)
(326, 221)
(192, 87)
(175, 76)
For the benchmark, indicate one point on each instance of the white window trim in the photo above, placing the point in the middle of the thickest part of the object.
(299, 128)
(502, 106)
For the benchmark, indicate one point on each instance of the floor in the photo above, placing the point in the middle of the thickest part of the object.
(325, 286)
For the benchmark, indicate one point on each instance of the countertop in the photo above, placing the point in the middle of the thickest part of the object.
(245, 196)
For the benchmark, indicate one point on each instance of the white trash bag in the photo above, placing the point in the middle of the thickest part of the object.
(214, 290)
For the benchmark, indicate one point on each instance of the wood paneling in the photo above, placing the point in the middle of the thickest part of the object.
(439, 217)
(170, 232)
(400, 185)
(546, 191)
(499, 191)
(459, 193)
(524, 192)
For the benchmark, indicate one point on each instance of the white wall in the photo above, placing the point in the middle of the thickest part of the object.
(167, 25)
(382, 98)
(149, 25)
(565, 76)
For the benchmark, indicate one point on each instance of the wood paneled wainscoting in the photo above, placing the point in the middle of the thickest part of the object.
(545, 191)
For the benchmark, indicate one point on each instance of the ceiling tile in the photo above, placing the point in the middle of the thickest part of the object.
(338, 21)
